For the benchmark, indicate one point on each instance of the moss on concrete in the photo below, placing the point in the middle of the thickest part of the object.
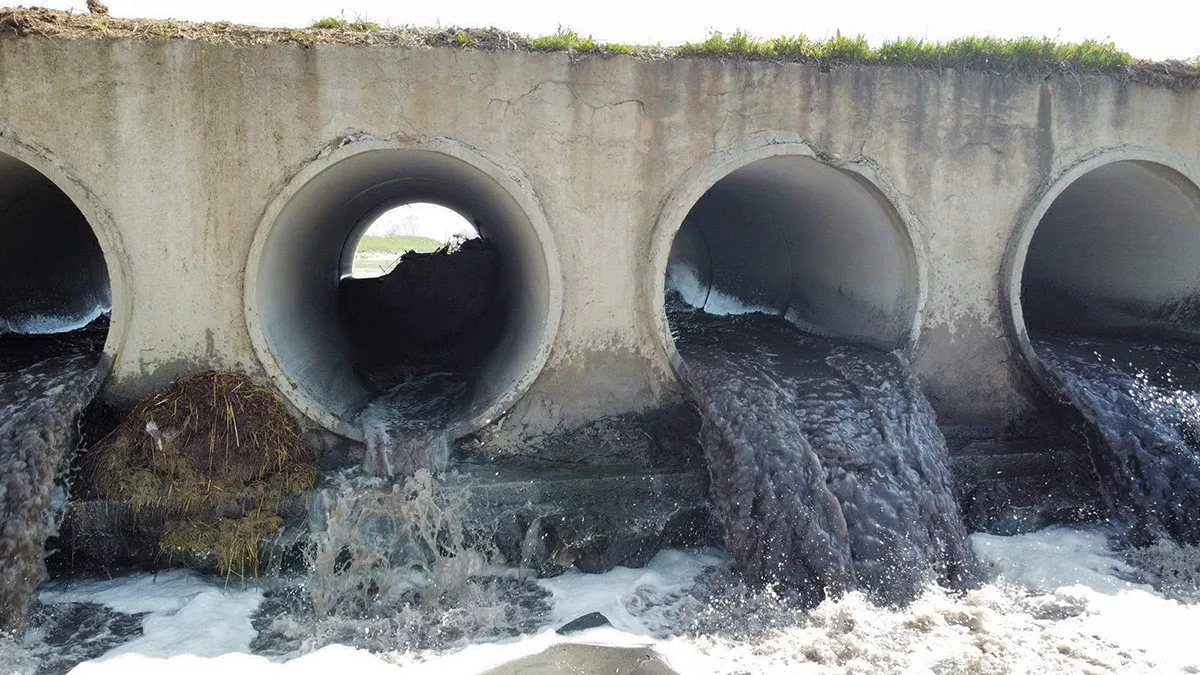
(1028, 55)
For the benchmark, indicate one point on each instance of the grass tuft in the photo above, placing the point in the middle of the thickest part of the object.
(616, 48)
(338, 23)
(330, 23)
(564, 40)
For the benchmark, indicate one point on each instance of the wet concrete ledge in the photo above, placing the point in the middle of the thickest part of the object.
(545, 519)
(549, 517)
(1015, 482)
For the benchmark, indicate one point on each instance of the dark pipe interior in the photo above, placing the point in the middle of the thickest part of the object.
(798, 238)
(341, 341)
(439, 312)
(54, 285)
(53, 277)
(1117, 252)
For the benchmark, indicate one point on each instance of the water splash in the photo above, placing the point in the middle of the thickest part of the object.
(396, 568)
(1058, 600)
(411, 428)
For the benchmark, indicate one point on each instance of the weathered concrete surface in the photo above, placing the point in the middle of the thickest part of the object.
(182, 146)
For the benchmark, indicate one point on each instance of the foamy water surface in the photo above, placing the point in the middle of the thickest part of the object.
(1062, 600)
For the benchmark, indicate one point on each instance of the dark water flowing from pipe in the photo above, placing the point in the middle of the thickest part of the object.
(829, 471)
(45, 383)
(1140, 398)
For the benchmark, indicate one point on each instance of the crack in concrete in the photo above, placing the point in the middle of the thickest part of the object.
(575, 96)
(600, 106)
(508, 103)
(716, 142)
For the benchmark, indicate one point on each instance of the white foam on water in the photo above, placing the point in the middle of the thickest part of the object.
(1056, 558)
(1079, 565)
(575, 594)
(1060, 603)
(51, 324)
(724, 304)
(686, 281)
(186, 613)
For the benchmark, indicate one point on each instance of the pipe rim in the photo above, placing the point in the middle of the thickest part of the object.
(42, 160)
(511, 179)
(700, 178)
(1031, 217)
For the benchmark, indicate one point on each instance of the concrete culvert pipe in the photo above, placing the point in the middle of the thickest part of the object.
(53, 276)
(796, 237)
(1116, 250)
(312, 338)
(1104, 290)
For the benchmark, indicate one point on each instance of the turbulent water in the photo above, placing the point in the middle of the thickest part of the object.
(1063, 601)
(828, 468)
(410, 428)
(832, 478)
(45, 383)
(1141, 400)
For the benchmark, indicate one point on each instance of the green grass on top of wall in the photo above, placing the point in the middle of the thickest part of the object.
(336, 23)
(1027, 54)
(1024, 54)
(988, 54)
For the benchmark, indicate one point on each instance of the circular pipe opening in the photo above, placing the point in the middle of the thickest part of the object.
(790, 235)
(1112, 248)
(319, 338)
(53, 275)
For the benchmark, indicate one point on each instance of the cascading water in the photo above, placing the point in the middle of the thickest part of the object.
(1141, 400)
(828, 468)
(410, 428)
(421, 332)
(45, 383)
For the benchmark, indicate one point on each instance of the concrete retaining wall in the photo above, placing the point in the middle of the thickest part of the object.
(178, 153)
